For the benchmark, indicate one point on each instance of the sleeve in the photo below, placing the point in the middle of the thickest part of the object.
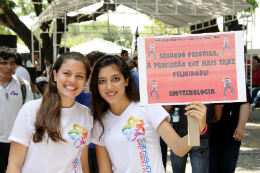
(29, 94)
(95, 135)
(155, 115)
(23, 127)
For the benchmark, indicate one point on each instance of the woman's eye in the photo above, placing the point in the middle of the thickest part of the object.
(101, 81)
(80, 76)
(66, 73)
(116, 79)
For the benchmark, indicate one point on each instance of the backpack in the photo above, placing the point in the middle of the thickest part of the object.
(23, 89)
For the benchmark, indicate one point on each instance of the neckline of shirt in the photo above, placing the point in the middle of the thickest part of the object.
(118, 117)
(70, 109)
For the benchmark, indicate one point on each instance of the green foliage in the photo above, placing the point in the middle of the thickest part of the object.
(81, 33)
(5, 31)
(254, 3)
(160, 29)
(8, 5)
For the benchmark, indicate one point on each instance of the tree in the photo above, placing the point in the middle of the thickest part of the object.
(10, 13)
(88, 31)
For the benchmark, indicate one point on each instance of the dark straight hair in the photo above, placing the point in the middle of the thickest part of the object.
(49, 114)
(98, 104)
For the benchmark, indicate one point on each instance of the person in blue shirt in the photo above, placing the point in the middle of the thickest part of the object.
(84, 98)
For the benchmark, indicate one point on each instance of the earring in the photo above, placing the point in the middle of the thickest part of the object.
(54, 80)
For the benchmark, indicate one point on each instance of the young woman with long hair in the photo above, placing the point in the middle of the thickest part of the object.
(125, 133)
(50, 134)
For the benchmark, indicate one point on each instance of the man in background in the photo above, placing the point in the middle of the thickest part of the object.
(48, 67)
(13, 93)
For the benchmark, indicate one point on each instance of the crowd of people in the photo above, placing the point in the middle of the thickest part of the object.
(83, 114)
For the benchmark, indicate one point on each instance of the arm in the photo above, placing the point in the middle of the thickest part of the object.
(217, 112)
(16, 157)
(243, 116)
(177, 144)
(104, 162)
(84, 160)
(168, 108)
(180, 145)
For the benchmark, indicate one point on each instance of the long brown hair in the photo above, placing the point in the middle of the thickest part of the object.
(49, 113)
(98, 104)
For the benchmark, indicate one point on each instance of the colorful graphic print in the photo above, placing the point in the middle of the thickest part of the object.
(134, 128)
(79, 135)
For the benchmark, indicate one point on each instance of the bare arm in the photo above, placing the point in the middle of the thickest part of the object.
(217, 112)
(16, 157)
(104, 162)
(177, 144)
(84, 160)
(243, 116)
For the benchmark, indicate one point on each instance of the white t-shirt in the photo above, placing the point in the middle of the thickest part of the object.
(76, 123)
(10, 103)
(21, 72)
(30, 64)
(131, 139)
(48, 70)
(134, 69)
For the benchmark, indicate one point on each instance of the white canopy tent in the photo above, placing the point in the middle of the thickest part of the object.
(178, 13)
(22, 49)
(99, 44)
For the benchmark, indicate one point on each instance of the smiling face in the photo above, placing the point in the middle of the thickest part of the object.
(70, 79)
(7, 68)
(111, 84)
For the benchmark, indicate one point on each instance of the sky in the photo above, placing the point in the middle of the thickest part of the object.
(137, 19)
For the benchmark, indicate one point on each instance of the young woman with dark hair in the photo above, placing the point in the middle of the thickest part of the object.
(50, 134)
(125, 133)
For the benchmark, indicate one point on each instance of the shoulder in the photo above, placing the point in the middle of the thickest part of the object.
(83, 109)
(32, 106)
(149, 109)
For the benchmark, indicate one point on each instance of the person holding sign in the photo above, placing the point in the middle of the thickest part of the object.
(226, 136)
(50, 134)
(126, 133)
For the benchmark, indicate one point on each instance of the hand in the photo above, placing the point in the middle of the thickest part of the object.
(238, 134)
(198, 110)
(44, 72)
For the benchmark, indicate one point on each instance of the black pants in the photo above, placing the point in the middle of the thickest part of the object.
(223, 158)
(4, 153)
(92, 160)
(164, 152)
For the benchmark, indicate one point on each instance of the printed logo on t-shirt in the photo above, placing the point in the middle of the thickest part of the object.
(134, 128)
(79, 135)
(13, 93)
(144, 158)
